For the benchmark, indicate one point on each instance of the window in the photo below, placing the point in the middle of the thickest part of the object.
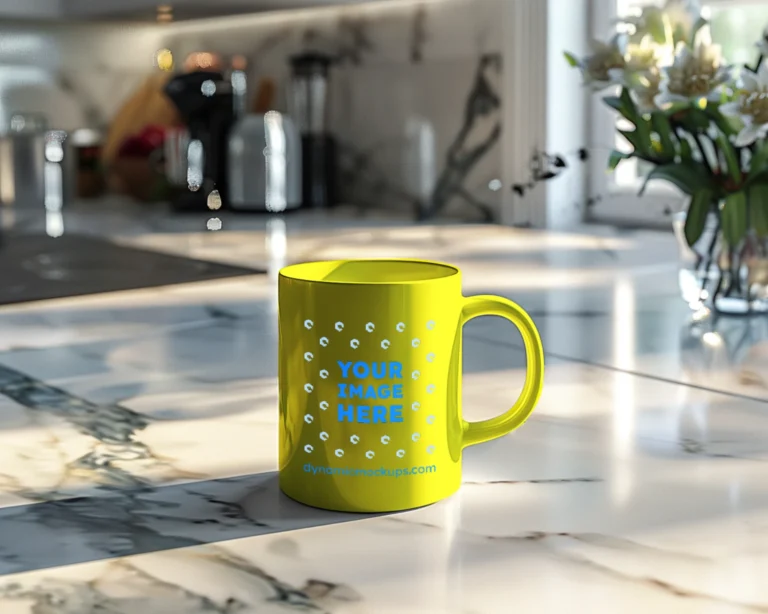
(736, 25)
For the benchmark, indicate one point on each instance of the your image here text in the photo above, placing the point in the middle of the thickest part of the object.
(350, 388)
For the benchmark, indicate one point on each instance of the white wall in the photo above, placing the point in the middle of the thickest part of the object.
(75, 74)
(568, 24)
(387, 106)
(30, 8)
(117, 7)
(393, 109)
(545, 109)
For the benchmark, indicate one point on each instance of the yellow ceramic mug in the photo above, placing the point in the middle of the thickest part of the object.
(370, 382)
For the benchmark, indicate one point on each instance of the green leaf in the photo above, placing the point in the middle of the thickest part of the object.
(695, 120)
(676, 108)
(572, 60)
(700, 23)
(686, 151)
(640, 143)
(701, 204)
(616, 158)
(734, 216)
(640, 138)
(759, 160)
(625, 106)
(663, 128)
(758, 208)
(628, 106)
(725, 125)
(643, 129)
(678, 36)
(688, 177)
(614, 102)
(731, 158)
(656, 26)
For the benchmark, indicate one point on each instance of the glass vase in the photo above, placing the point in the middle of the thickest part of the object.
(728, 281)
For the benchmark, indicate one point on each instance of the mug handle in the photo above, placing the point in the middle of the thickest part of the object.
(476, 306)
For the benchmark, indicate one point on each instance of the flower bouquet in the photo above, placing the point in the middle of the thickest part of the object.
(700, 125)
(137, 168)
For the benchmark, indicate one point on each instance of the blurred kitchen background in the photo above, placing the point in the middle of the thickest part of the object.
(454, 109)
(399, 105)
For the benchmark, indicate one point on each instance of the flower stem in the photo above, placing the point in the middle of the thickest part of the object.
(705, 159)
(710, 256)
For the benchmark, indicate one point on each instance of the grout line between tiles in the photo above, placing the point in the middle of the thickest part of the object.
(597, 365)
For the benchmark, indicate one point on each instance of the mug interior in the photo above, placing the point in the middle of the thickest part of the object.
(369, 271)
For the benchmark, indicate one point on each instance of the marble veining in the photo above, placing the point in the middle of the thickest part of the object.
(419, 34)
(413, 95)
(138, 440)
(473, 141)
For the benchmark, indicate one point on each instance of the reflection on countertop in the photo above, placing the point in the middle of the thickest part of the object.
(138, 438)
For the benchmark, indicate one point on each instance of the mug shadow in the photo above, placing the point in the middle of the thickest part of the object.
(111, 523)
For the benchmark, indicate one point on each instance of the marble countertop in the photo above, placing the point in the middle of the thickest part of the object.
(138, 440)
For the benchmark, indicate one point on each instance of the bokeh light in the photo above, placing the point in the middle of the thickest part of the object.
(164, 60)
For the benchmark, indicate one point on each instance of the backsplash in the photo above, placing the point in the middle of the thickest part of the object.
(76, 75)
(415, 99)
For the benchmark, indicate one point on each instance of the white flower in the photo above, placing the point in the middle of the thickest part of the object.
(641, 75)
(596, 69)
(643, 56)
(672, 23)
(646, 89)
(762, 45)
(695, 74)
(751, 106)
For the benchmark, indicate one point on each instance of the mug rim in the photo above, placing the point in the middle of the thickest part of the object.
(293, 272)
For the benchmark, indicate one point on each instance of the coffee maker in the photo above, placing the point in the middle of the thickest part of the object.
(308, 106)
(205, 101)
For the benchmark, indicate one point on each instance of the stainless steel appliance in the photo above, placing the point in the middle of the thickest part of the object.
(308, 106)
(264, 157)
(265, 163)
(205, 103)
(36, 169)
(22, 160)
(175, 154)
